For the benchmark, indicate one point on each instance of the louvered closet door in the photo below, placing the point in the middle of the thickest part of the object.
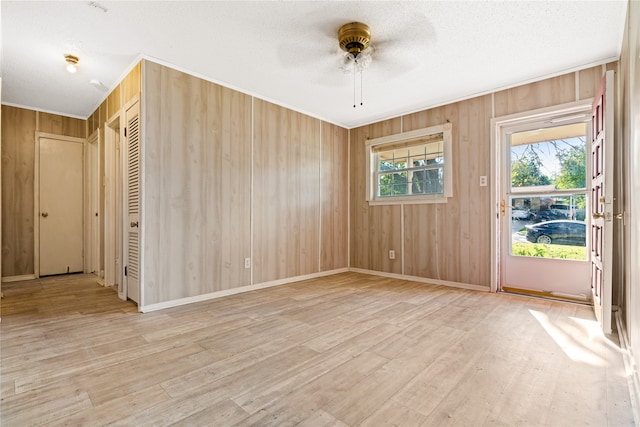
(132, 246)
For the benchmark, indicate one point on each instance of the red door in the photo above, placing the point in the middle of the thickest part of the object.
(602, 200)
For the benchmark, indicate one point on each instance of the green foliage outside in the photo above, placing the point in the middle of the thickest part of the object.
(573, 168)
(525, 171)
(573, 172)
(392, 184)
(549, 251)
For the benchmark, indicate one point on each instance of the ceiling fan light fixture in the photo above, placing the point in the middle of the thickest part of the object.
(71, 63)
(354, 37)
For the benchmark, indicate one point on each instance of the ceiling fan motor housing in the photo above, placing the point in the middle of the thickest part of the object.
(354, 37)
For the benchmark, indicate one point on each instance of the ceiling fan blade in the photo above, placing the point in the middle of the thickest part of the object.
(315, 39)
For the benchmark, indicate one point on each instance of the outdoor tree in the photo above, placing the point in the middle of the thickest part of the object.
(392, 184)
(572, 168)
(525, 170)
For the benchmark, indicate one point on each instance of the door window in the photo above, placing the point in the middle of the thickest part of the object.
(547, 192)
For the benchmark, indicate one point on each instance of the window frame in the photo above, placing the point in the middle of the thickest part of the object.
(376, 144)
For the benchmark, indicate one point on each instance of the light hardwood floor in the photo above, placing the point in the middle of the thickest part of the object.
(349, 349)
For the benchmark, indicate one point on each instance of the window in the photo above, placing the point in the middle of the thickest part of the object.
(548, 168)
(411, 167)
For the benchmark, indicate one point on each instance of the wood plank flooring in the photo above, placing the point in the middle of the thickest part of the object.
(344, 350)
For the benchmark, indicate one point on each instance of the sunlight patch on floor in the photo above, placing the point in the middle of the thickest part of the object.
(575, 337)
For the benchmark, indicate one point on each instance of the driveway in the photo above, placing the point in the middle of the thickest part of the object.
(517, 225)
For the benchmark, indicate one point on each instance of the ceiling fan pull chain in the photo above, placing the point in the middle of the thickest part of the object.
(361, 87)
(354, 84)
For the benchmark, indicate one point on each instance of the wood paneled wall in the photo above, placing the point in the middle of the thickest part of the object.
(287, 188)
(449, 241)
(197, 186)
(201, 186)
(18, 151)
(19, 127)
(334, 193)
(207, 169)
(123, 93)
(374, 229)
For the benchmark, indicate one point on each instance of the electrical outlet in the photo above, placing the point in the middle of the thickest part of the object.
(392, 254)
(483, 181)
(247, 263)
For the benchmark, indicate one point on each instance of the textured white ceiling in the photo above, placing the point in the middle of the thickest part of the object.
(427, 53)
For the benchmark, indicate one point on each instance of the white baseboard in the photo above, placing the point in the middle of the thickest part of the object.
(630, 368)
(9, 279)
(226, 292)
(423, 280)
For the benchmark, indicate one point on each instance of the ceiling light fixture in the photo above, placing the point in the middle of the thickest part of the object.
(354, 39)
(71, 63)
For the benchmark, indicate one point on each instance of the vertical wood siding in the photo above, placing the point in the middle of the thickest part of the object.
(197, 186)
(451, 241)
(374, 229)
(200, 193)
(334, 193)
(287, 186)
(299, 196)
(19, 127)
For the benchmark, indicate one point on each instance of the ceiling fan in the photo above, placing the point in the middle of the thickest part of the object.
(354, 39)
(351, 48)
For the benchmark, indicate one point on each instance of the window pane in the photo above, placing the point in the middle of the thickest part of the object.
(553, 158)
(428, 181)
(392, 184)
(412, 167)
(549, 226)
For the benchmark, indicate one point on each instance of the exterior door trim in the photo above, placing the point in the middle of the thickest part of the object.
(498, 125)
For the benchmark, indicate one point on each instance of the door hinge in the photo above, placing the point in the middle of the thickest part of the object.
(125, 132)
(125, 270)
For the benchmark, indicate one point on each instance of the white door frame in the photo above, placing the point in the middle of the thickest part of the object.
(113, 255)
(92, 204)
(36, 193)
(498, 126)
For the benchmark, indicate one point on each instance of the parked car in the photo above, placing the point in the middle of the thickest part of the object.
(563, 210)
(558, 232)
(521, 213)
(548, 215)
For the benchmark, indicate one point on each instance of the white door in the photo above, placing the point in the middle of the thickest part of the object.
(61, 206)
(544, 238)
(602, 201)
(132, 246)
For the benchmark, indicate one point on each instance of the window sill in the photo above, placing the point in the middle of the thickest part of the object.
(408, 201)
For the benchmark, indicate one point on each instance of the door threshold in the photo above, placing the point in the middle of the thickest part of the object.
(547, 295)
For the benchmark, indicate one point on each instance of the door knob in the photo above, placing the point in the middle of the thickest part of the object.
(45, 214)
